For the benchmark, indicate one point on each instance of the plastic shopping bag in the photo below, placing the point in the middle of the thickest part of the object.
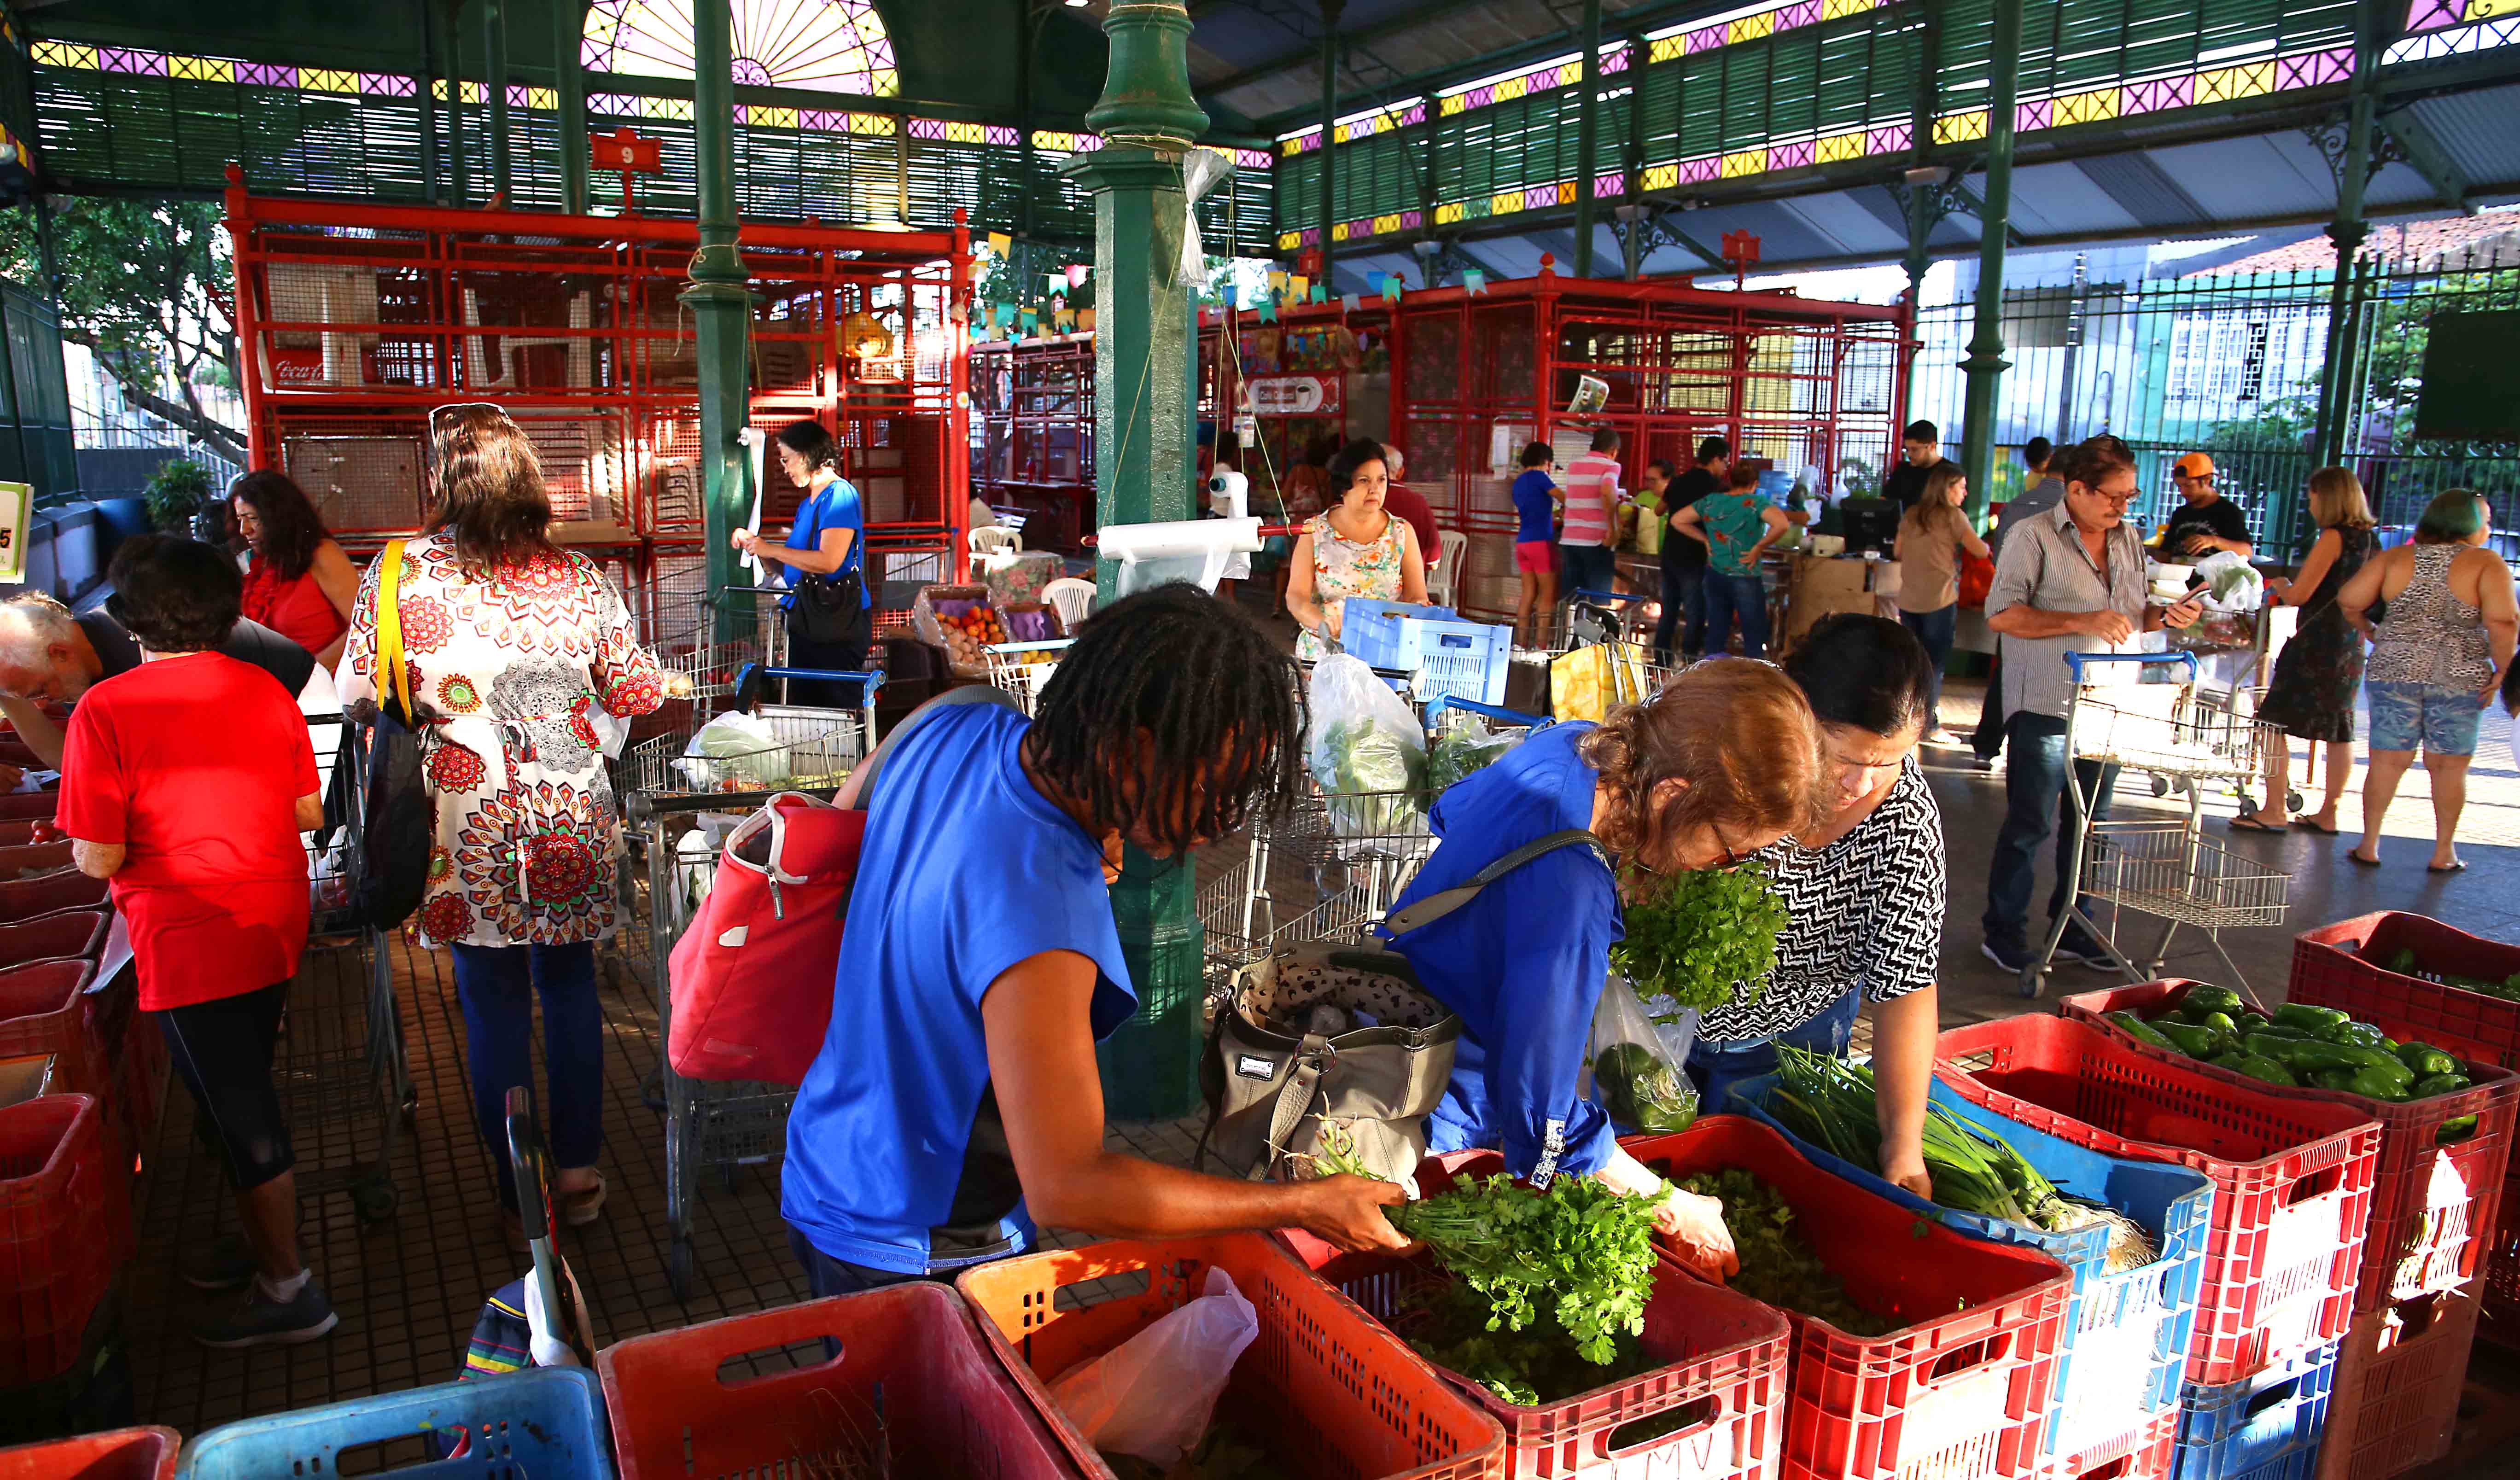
(1635, 1077)
(1464, 744)
(1153, 1394)
(1584, 685)
(737, 748)
(1365, 750)
(2231, 584)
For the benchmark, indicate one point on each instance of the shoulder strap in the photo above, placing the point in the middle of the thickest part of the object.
(968, 694)
(392, 666)
(1437, 906)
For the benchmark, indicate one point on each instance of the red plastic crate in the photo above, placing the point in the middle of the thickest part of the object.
(17, 834)
(125, 1453)
(2398, 1382)
(2433, 1206)
(677, 1409)
(1324, 1384)
(2292, 1175)
(62, 934)
(64, 1231)
(1961, 1391)
(27, 898)
(43, 1009)
(16, 860)
(2339, 966)
(1724, 1359)
(28, 806)
(2148, 1451)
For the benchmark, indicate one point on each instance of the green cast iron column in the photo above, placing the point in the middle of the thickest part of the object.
(1145, 430)
(721, 308)
(2347, 232)
(1330, 129)
(494, 50)
(1588, 135)
(459, 166)
(568, 94)
(1986, 364)
(428, 74)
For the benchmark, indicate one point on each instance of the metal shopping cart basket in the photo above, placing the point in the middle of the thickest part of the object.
(1612, 619)
(2158, 867)
(683, 808)
(1023, 670)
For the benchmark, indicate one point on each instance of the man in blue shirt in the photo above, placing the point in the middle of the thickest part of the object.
(956, 1102)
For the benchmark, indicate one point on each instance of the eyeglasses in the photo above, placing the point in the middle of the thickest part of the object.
(1733, 857)
(2105, 496)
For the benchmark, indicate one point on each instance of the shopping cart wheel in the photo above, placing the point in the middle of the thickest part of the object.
(2292, 801)
(2034, 982)
(376, 1200)
(678, 1267)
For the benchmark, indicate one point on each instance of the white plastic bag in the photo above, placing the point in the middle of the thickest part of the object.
(1153, 1394)
(1366, 745)
(1631, 1070)
(2231, 584)
(735, 747)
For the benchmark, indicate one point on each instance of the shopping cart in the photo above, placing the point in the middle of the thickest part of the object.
(2159, 866)
(2235, 654)
(683, 808)
(1023, 670)
(1615, 619)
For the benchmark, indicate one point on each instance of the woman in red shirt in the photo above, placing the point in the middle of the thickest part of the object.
(299, 583)
(187, 781)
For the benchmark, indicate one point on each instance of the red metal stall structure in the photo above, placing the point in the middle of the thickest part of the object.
(358, 320)
(1032, 423)
(1462, 380)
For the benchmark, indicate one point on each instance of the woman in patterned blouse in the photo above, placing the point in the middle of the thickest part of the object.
(1862, 890)
(514, 643)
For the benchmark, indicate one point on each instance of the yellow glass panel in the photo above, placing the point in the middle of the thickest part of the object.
(1831, 10)
(2086, 107)
(1509, 201)
(1750, 29)
(1836, 147)
(544, 98)
(1661, 177)
(318, 79)
(200, 69)
(1453, 105)
(1288, 241)
(1745, 161)
(1384, 224)
(1510, 89)
(774, 118)
(1446, 215)
(1959, 128)
(1339, 233)
(1672, 46)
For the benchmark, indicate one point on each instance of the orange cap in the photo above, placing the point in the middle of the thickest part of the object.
(2196, 465)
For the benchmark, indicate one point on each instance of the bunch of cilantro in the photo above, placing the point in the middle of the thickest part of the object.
(1580, 1250)
(1699, 937)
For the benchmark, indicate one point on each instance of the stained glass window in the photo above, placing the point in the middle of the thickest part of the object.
(836, 46)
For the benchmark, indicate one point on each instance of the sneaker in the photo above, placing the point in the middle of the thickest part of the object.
(225, 1262)
(1942, 739)
(2076, 945)
(2011, 958)
(260, 1321)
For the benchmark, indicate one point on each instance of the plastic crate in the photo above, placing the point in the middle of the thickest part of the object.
(1961, 1391)
(73, 934)
(2499, 1286)
(65, 1231)
(2264, 1426)
(1331, 1390)
(43, 1009)
(948, 1408)
(2127, 1335)
(27, 898)
(2338, 966)
(93, 1395)
(2147, 1452)
(1373, 631)
(30, 806)
(129, 1453)
(2397, 1382)
(1722, 1371)
(2433, 1206)
(2292, 1175)
(542, 1422)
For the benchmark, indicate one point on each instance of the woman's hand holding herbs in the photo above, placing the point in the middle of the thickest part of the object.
(1695, 1224)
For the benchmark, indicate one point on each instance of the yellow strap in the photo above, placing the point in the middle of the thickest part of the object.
(391, 664)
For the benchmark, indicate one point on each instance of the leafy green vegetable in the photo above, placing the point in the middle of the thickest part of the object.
(1463, 748)
(1778, 1268)
(1640, 1089)
(1580, 1248)
(1374, 779)
(1446, 1322)
(1703, 938)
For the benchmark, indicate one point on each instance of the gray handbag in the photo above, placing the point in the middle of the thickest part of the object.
(1270, 1092)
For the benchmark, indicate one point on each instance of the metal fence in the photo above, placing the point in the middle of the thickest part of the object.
(2232, 365)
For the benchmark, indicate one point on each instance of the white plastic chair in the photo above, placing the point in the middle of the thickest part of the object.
(1443, 582)
(1071, 599)
(995, 539)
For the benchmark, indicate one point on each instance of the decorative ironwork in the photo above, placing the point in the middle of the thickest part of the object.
(837, 46)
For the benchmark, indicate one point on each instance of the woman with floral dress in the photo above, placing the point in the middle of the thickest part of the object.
(1354, 548)
(512, 644)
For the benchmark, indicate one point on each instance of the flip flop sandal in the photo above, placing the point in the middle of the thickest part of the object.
(2251, 825)
(2307, 826)
(2359, 861)
(2458, 868)
(580, 1208)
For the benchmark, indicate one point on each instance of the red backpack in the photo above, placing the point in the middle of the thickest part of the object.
(750, 982)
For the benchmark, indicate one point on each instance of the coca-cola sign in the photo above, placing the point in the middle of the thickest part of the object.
(1297, 395)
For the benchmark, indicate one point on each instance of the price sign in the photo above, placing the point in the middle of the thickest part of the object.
(17, 501)
(625, 151)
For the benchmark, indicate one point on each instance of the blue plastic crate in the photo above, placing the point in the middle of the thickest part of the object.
(2125, 1355)
(1374, 630)
(546, 1423)
(2266, 1427)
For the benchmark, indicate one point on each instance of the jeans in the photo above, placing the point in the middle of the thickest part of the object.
(1988, 742)
(1683, 602)
(1716, 1067)
(496, 985)
(835, 657)
(2034, 787)
(826, 1275)
(1587, 567)
(1730, 595)
(1935, 630)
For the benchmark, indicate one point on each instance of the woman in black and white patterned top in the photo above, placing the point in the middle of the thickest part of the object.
(1863, 892)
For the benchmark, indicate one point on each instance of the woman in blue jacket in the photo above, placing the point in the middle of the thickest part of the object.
(1722, 763)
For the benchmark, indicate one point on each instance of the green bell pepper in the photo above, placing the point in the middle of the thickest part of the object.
(2189, 1038)
(2141, 1031)
(2256, 1066)
(2404, 961)
(2226, 1032)
(2308, 1018)
(2203, 997)
(2363, 1034)
(2313, 1056)
(2252, 1022)
(2439, 1084)
(2456, 1128)
(2422, 1059)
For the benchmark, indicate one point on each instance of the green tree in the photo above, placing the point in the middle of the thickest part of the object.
(147, 287)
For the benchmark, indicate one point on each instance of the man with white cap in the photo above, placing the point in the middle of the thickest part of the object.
(2207, 521)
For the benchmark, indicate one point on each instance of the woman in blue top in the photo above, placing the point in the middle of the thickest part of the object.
(1535, 535)
(829, 623)
(955, 1103)
(1722, 763)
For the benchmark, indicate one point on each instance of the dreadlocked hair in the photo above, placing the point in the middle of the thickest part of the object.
(1740, 733)
(1172, 720)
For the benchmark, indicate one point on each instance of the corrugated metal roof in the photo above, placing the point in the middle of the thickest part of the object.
(2478, 131)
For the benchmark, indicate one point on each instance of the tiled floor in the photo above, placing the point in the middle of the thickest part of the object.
(409, 1287)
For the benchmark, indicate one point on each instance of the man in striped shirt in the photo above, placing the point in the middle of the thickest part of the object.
(1590, 537)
